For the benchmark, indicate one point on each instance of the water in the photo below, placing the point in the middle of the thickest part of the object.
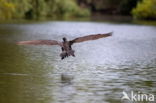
(99, 73)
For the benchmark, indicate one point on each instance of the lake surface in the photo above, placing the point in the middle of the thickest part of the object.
(99, 73)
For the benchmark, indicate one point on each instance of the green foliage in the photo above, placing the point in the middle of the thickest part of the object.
(21, 6)
(145, 10)
(72, 10)
(36, 9)
(6, 9)
(123, 7)
(126, 6)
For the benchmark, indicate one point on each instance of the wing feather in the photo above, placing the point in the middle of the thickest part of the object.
(90, 37)
(40, 42)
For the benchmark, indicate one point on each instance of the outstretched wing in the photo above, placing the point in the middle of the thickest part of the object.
(40, 42)
(90, 37)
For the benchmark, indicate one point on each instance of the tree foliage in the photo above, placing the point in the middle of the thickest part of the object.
(145, 10)
(6, 9)
(126, 6)
(122, 7)
(35, 9)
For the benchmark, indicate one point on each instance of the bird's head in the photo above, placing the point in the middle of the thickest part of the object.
(64, 39)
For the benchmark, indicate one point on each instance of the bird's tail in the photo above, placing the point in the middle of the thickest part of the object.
(63, 55)
(66, 54)
(71, 52)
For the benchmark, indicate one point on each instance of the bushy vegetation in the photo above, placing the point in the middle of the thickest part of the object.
(122, 7)
(6, 9)
(70, 8)
(58, 9)
(145, 10)
(126, 6)
(140, 9)
(36, 9)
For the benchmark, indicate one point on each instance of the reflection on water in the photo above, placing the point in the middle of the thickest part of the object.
(99, 73)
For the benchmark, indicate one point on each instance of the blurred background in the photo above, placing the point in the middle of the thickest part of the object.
(118, 10)
(101, 70)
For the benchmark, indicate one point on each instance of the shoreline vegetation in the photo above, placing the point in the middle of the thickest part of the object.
(107, 19)
(131, 11)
